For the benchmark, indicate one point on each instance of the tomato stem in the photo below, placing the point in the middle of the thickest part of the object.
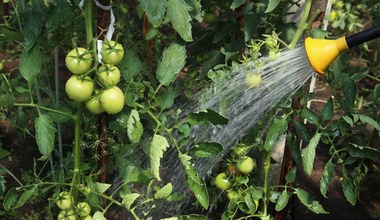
(266, 182)
(44, 108)
(302, 25)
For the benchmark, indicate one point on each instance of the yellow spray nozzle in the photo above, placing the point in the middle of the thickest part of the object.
(321, 53)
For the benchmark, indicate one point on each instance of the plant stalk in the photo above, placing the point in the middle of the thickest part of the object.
(302, 25)
(266, 182)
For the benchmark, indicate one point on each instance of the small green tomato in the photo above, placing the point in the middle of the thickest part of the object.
(252, 80)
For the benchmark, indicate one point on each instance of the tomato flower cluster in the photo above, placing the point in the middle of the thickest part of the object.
(80, 87)
(68, 211)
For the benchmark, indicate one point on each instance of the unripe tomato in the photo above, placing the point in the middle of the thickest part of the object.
(222, 182)
(112, 52)
(332, 16)
(112, 100)
(67, 215)
(64, 200)
(246, 165)
(252, 80)
(109, 74)
(233, 195)
(274, 54)
(87, 218)
(339, 4)
(78, 89)
(94, 106)
(271, 43)
(83, 209)
(78, 60)
(240, 150)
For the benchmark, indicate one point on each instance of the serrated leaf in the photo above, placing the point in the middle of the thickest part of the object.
(206, 116)
(164, 191)
(376, 94)
(178, 14)
(236, 4)
(166, 99)
(172, 61)
(102, 187)
(308, 201)
(185, 160)
(250, 27)
(291, 176)
(370, 121)
(158, 146)
(328, 110)
(308, 153)
(249, 201)
(25, 196)
(310, 116)
(363, 152)
(349, 91)
(155, 10)
(98, 216)
(130, 66)
(206, 149)
(30, 64)
(196, 9)
(282, 201)
(129, 199)
(272, 4)
(10, 199)
(327, 175)
(350, 189)
(277, 128)
(134, 127)
(45, 134)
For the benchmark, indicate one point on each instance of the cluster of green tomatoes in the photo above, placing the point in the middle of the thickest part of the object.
(100, 93)
(240, 167)
(68, 211)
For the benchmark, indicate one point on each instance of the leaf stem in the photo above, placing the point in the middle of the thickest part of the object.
(44, 108)
(266, 181)
(12, 175)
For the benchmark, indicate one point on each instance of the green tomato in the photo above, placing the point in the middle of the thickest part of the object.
(67, 215)
(252, 80)
(271, 43)
(94, 106)
(78, 60)
(109, 74)
(233, 195)
(332, 16)
(87, 218)
(112, 52)
(78, 89)
(274, 54)
(246, 165)
(83, 209)
(240, 150)
(339, 4)
(222, 182)
(112, 100)
(64, 200)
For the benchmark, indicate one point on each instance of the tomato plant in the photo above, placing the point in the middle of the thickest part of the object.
(79, 89)
(83, 209)
(64, 200)
(246, 165)
(222, 181)
(94, 105)
(109, 74)
(78, 60)
(112, 52)
(67, 215)
(112, 100)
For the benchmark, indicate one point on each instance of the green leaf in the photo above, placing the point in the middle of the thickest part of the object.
(130, 66)
(10, 199)
(376, 94)
(196, 184)
(102, 187)
(328, 111)
(308, 153)
(166, 99)
(370, 121)
(302, 131)
(25, 196)
(178, 14)
(277, 128)
(129, 199)
(206, 149)
(272, 4)
(158, 146)
(185, 160)
(310, 116)
(291, 176)
(3, 154)
(30, 64)
(192, 217)
(196, 9)
(363, 152)
(155, 10)
(250, 27)
(282, 200)
(236, 4)
(349, 91)
(98, 216)
(327, 175)
(204, 116)
(350, 189)
(164, 191)
(249, 201)
(294, 148)
(308, 201)
(134, 127)
(2, 185)
(45, 134)
(172, 61)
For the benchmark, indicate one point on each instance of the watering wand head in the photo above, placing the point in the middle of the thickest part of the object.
(321, 53)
